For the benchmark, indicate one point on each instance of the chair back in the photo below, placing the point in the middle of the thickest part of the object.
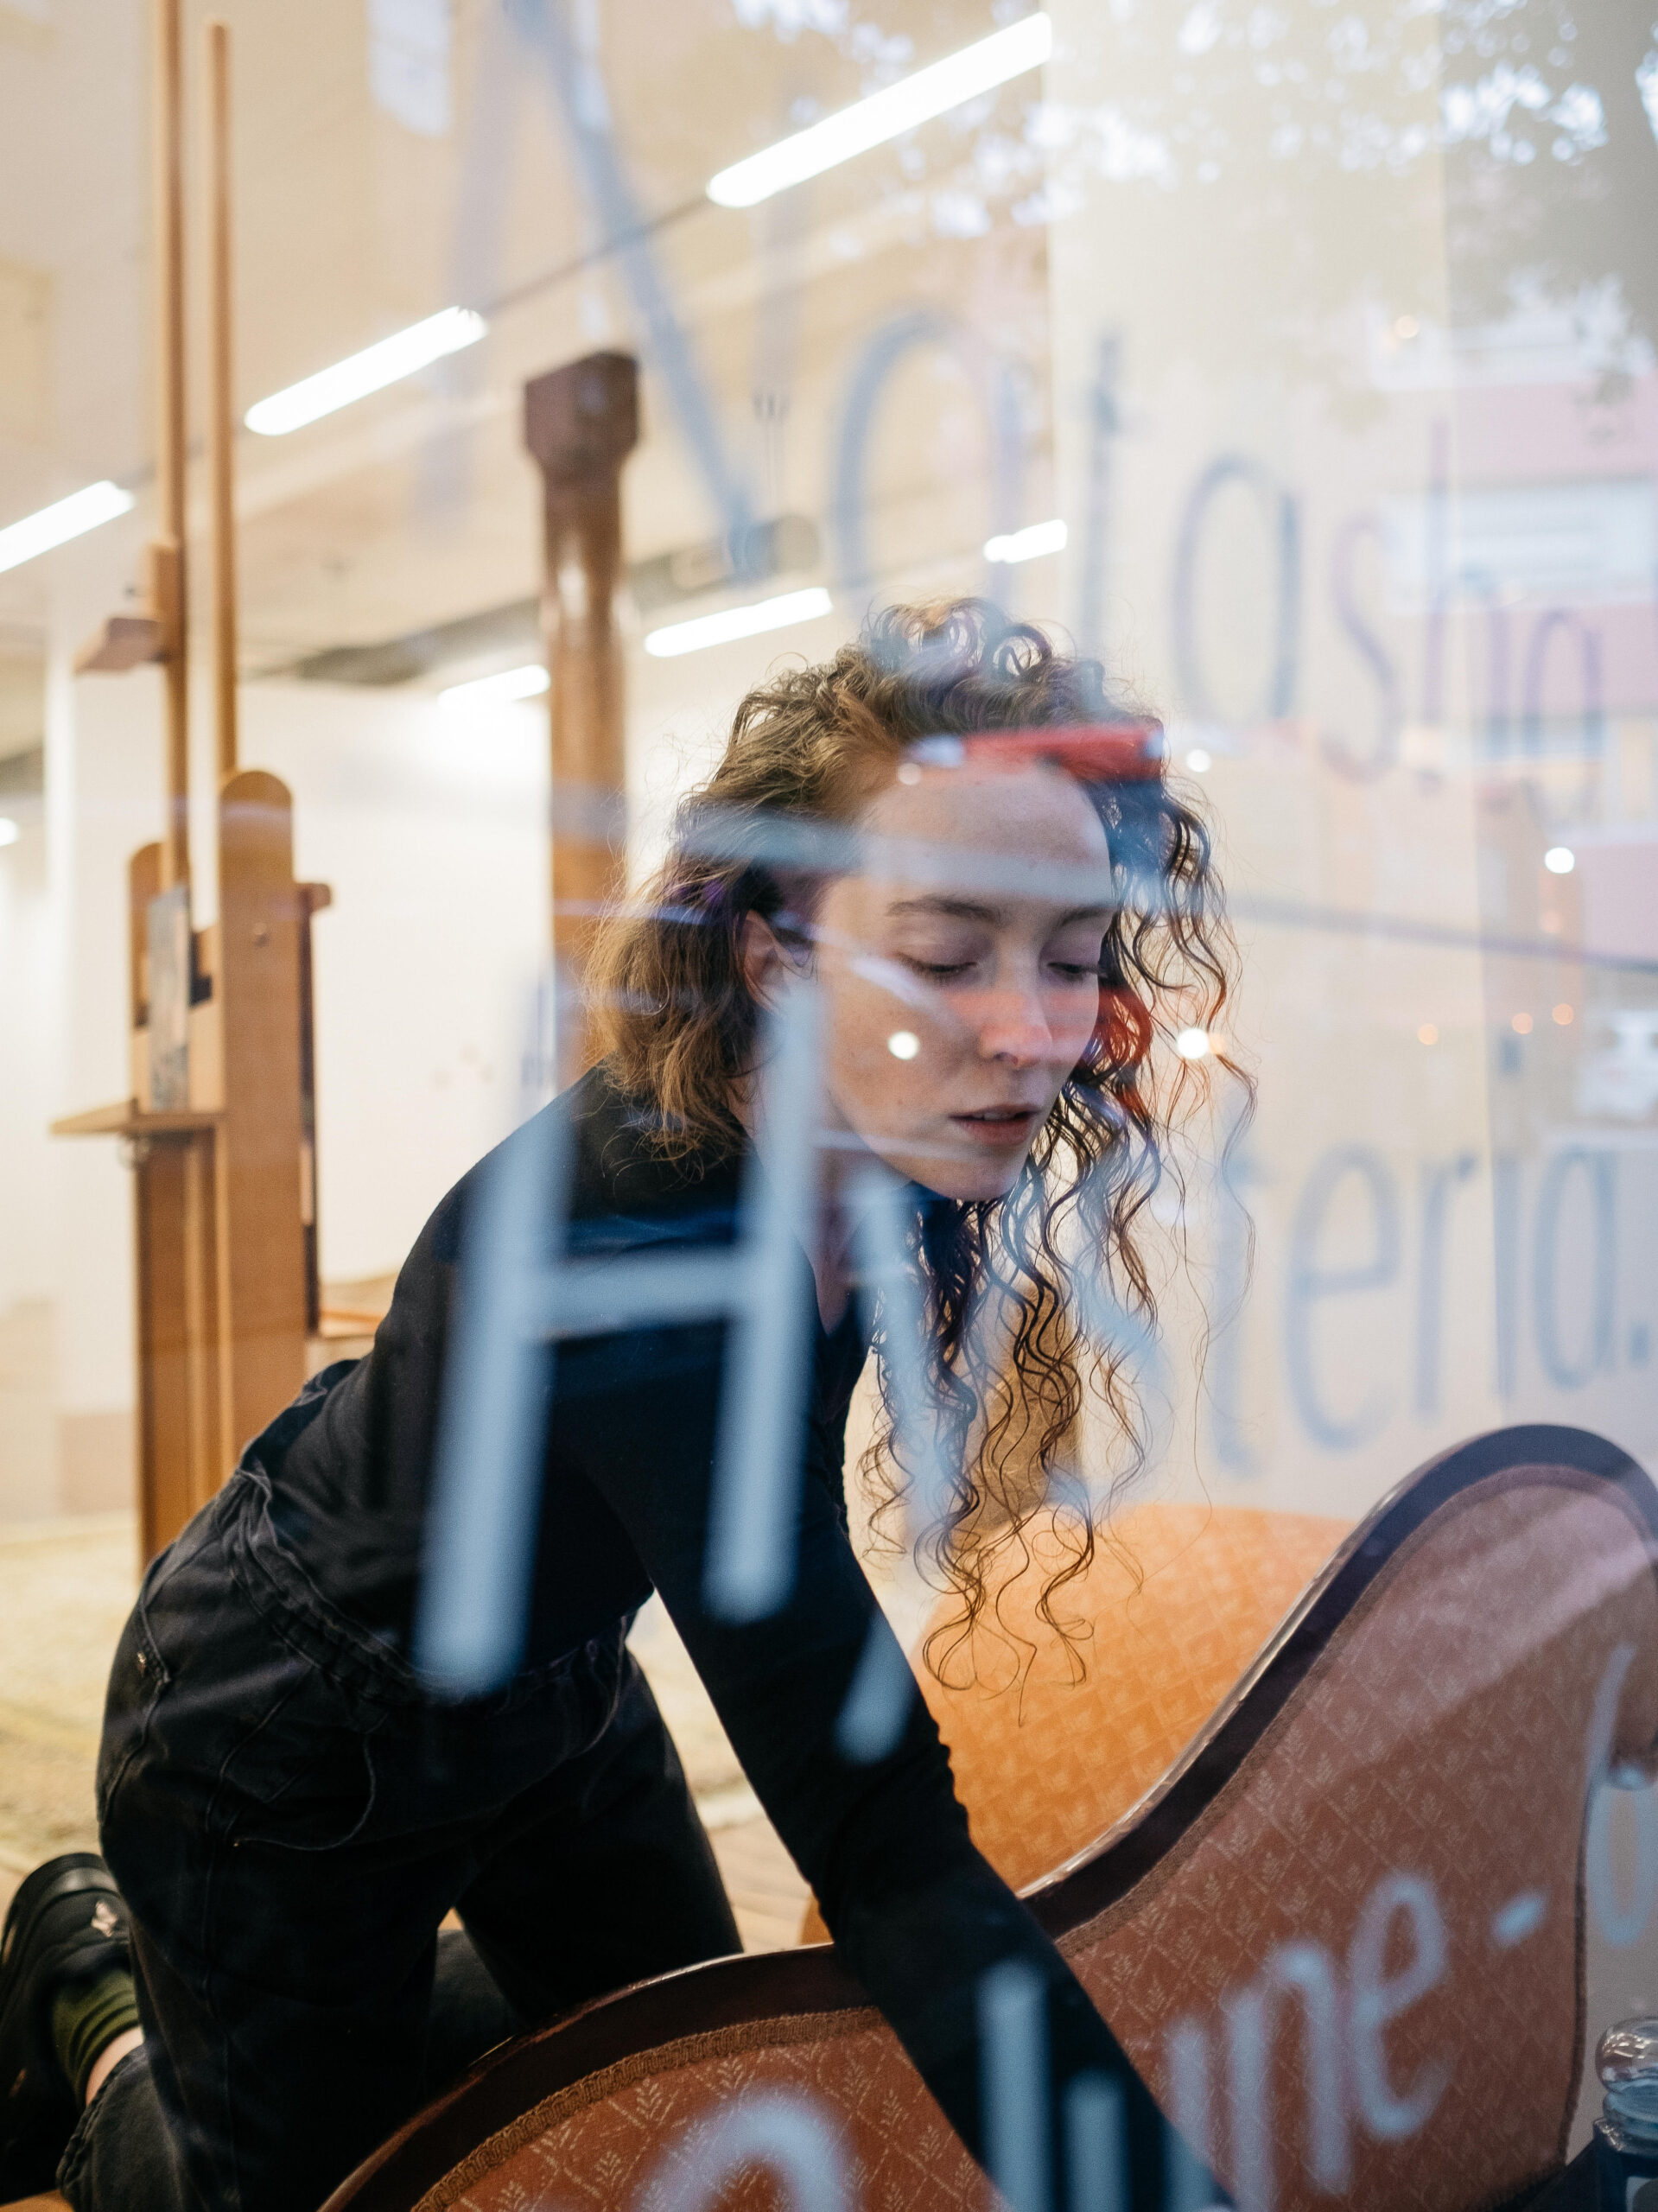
(1342, 1939)
(1048, 1753)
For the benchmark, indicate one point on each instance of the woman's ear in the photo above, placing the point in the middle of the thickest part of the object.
(765, 963)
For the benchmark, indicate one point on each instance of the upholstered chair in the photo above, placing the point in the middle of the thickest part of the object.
(1343, 1938)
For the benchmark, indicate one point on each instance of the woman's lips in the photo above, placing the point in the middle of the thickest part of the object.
(996, 1126)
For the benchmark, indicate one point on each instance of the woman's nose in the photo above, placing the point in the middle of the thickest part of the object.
(1014, 1025)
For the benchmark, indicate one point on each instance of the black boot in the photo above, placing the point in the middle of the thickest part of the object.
(66, 1922)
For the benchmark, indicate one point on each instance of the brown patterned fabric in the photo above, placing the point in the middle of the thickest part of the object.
(1444, 1735)
(1173, 1618)
(624, 2137)
(1441, 1742)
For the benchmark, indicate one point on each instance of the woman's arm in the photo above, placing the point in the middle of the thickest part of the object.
(916, 1913)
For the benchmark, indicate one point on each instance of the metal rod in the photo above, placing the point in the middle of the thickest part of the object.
(221, 421)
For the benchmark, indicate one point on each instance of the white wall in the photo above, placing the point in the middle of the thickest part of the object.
(430, 828)
(103, 785)
(26, 1054)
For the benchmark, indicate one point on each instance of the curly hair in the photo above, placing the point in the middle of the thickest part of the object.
(1011, 1361)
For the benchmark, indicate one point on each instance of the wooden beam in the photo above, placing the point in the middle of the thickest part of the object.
(165, 1469)
(580, 422)
(221, 410)
(180, 1418)
(212, 1438)
(314, 898)
(169, 600)
(124, 1120)
(261, 914)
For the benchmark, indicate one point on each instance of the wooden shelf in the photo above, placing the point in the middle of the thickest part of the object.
(334, 1328)
(126, 1120)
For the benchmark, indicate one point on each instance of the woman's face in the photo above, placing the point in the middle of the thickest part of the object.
(953, 1013)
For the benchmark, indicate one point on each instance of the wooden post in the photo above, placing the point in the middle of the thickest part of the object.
(181, 1382)
(580, 422)
(221, 415)
(260, 956)
(167, 594)
(262, 914)
(169, 1395)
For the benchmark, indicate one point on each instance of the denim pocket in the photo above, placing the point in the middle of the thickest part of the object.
(137, 1677)
(302, 1778)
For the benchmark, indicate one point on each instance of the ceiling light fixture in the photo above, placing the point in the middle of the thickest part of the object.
(64, 519)
(1028, 545)
(376, 366)
(511, 684)
(886, 115)
(739, 622)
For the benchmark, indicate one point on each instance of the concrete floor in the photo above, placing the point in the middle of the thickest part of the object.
(65, 1589)
(29, 1423)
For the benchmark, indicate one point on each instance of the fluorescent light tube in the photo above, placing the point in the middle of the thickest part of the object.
(1024, 45)
(64, 519)
(1028, 545)
(739, 622)
(372, 369)
(492, 691)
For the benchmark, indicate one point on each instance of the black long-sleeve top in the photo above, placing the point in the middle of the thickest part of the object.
(915, 1912)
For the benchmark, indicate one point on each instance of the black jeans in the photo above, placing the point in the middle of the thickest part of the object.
(290, 1816)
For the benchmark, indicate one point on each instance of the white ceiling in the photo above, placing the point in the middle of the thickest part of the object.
(418, 505)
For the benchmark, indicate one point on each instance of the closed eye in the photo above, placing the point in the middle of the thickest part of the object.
(939, 971)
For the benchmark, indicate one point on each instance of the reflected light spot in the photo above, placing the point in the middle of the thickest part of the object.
(1559, 860)
(1521, 1916)
(527, 683)
(1191, 1043)
(903, 1043)
(1405, 328)
(1427, 1034)
(734, 622)
(386, 362)
(909, 773)
(1028, 545)
(1563, 1015)
(9, 832)
(886, 114)
(1198, 761)
(1521, 1025)
(64, 519)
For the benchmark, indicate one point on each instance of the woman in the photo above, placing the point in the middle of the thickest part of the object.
(289, 1805)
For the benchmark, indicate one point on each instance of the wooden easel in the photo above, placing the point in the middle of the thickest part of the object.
(220, 1119)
